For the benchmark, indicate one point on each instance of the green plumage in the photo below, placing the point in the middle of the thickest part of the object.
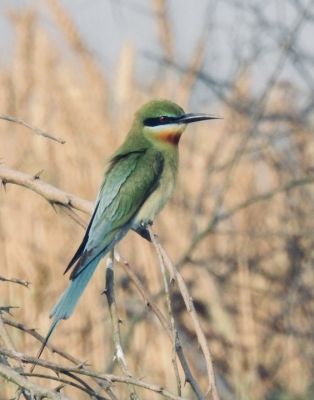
(139, 180)
(127, 184)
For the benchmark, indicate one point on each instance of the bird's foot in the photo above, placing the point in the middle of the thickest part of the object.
(142, 230)
(145, 224)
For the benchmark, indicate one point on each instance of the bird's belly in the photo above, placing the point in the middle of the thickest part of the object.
(157, 200)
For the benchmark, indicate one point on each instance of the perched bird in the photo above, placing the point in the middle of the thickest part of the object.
(139, 180)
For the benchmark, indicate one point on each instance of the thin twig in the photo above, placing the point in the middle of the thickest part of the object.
(174, 332)
(191, 310)
(218, 218)
(45, 190)
(110, 294)
(41, 339)
(108, 379)
(14, 280)
(7, 174)
(155, 309)
(8, 343)
(66, 382)
(256, 117)
(35, 391)
(146, 297)
(5, 339)
(58, 197)
(37, 131)
(54, 349)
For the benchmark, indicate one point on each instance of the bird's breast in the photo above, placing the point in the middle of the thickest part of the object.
(159, 197)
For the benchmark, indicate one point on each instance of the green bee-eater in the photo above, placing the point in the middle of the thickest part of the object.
(139, 180)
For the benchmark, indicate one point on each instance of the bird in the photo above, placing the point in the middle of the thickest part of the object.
(139, 179)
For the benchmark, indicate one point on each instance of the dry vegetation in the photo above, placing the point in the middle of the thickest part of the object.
(240, 226)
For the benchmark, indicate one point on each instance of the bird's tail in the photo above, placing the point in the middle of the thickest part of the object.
(44, 343)
(68, 300)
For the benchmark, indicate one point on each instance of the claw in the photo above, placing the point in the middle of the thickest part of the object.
(146, 223)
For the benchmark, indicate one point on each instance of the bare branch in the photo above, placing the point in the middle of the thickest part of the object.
(217, 218)
(53, 195)
(191, 310)
(108, 379)
(146, 297)
(8, 343)
(37, 131)
(153, 306)
(14, 280)
(34, 390)
(110, 294)
(41, 339)
(174, 333)
(58, 197)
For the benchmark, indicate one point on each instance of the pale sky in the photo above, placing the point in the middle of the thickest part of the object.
(233, 34)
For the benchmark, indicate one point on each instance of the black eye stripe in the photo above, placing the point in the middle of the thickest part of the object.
(162, 120)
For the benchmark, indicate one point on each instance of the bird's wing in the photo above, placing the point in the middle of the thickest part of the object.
(107, 193)
(81, 248)
(128, 182)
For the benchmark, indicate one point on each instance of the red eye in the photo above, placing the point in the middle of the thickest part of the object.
(162, 119)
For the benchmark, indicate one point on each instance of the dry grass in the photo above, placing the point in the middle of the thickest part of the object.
(252, 276)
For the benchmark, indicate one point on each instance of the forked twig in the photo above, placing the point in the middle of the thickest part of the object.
(143, 292)
(191, 310)
(7, 341)
(174, 332)
(165, 324)
(107, 379)
(36, 391)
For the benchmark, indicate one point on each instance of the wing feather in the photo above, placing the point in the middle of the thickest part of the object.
(81, 248)
(127, 184)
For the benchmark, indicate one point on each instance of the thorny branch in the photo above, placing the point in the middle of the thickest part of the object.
(32, 184)
(41, 339)
(280, 321)
(107, 379)
(36, 391)
(66, 200)
(50, 193)
(71, 202)
(54, 196)
(6, 340)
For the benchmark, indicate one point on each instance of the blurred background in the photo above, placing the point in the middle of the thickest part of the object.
(240, 226)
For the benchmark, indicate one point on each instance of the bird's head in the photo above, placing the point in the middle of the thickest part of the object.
(165, 121)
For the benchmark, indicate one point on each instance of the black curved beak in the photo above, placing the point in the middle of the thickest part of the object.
(188, 118)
